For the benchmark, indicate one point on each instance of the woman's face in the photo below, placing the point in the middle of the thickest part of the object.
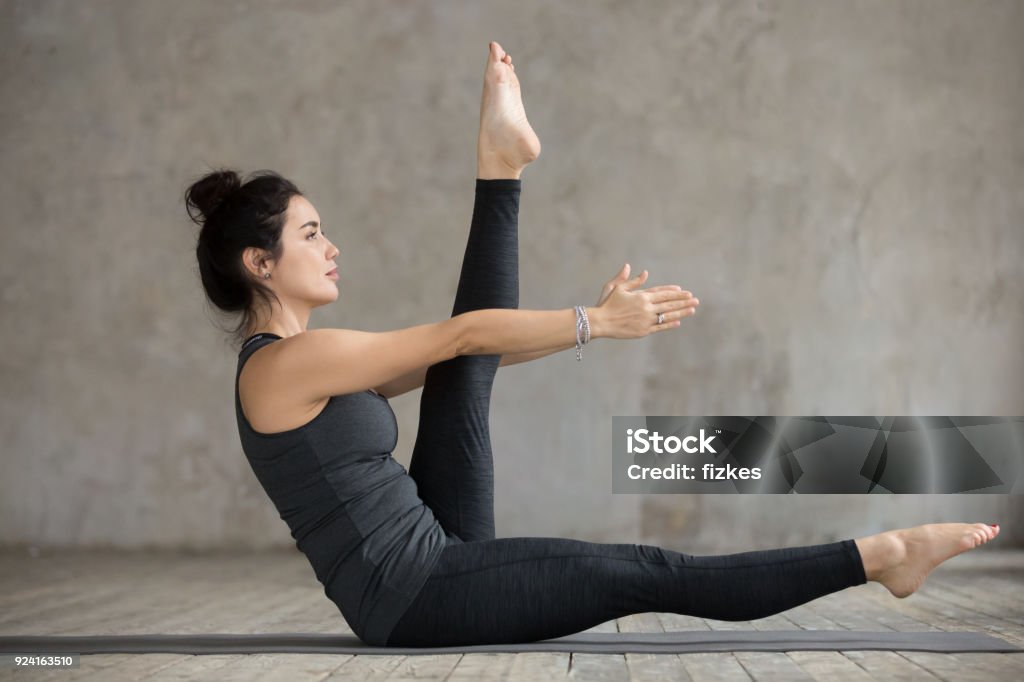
(301, 273)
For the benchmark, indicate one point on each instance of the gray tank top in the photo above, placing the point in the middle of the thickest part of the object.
(353, 510)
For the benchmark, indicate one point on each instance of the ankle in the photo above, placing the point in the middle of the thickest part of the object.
(485, 174)
(496, 169)
(879, 553)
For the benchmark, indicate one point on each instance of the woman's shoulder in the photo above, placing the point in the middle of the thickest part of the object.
(267, 403)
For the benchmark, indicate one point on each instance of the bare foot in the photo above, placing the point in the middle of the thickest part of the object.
(902, 559)
(506, 142)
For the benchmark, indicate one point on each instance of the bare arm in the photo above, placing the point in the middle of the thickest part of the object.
(516, 358)
(416, 378)
(306, 367)
(524, 335)
(517, 335)
(504, 331)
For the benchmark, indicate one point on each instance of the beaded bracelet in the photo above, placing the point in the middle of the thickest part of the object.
(582, 325)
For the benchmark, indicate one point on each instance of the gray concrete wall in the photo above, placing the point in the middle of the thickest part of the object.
(838, 182)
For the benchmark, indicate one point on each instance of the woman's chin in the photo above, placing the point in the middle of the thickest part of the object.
(328, 298)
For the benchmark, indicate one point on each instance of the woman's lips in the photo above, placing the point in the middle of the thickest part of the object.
(333, 274)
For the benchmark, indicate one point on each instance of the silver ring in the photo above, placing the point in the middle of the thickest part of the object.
(661, 317)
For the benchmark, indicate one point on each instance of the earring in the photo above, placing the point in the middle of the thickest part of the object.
(266, 275)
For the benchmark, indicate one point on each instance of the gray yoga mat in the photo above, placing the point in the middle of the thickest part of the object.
(681, 642)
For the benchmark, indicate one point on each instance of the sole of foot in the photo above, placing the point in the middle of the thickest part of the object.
(902, 559)
(506, 142)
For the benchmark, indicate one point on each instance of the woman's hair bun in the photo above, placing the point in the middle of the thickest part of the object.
(209, 192)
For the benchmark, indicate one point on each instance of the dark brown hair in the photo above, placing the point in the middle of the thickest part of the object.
(234, 216)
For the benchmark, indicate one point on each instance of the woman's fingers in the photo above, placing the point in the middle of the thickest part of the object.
(621, 276)
(682, 309)
(667, 292)
(671, 288)
(674, 319)
(675, 305)
(636, 281)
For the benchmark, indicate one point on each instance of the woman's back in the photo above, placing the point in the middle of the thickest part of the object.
(351, 508)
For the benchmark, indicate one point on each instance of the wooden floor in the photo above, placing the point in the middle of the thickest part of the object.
(89, 593)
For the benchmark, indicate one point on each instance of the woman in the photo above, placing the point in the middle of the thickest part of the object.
(410, 558)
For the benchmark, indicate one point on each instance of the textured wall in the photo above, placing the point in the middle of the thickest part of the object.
(838, 182)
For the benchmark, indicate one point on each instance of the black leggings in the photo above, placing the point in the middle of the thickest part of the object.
(485, 590)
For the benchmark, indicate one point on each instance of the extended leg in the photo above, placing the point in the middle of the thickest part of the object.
(529, 588)
(452, 462)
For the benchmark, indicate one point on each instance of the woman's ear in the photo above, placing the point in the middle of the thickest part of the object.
(254, 260)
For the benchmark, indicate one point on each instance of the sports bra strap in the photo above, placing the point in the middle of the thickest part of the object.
(257, 337)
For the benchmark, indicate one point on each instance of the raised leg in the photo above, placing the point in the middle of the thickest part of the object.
(452, 462)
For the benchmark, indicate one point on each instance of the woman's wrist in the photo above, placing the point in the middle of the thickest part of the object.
(595, 316)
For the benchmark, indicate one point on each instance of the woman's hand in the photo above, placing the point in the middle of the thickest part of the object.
(627, 312)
